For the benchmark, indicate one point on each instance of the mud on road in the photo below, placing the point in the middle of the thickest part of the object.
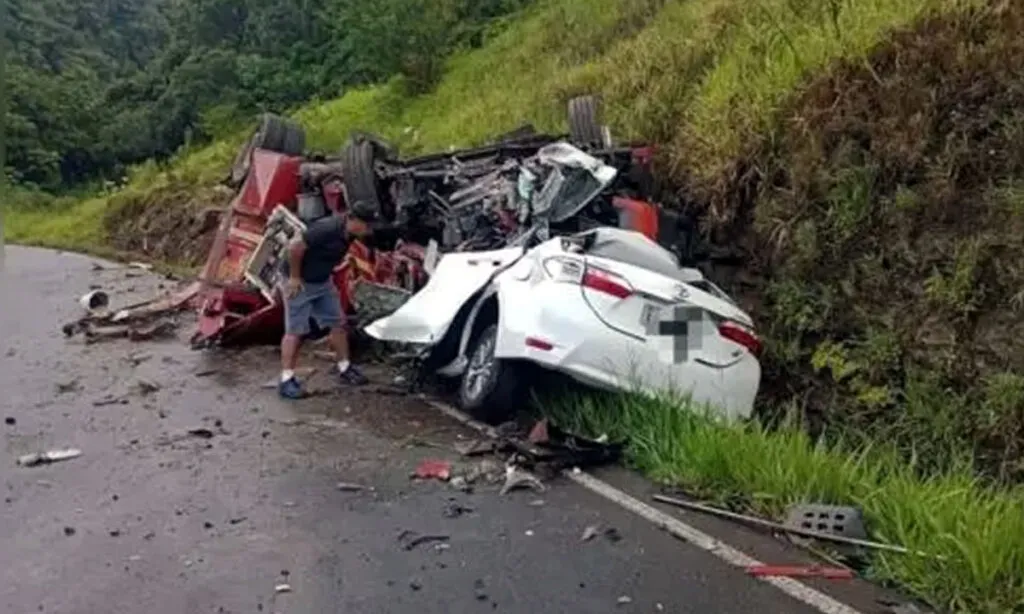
(199, 491)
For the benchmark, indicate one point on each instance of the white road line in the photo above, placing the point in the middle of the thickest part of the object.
(677, 528)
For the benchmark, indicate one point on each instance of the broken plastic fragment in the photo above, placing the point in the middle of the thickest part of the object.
(51, 456)
(437, 469)
(517, 478)
(283, 588)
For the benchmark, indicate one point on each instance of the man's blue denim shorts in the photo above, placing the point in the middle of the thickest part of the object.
(319, 302)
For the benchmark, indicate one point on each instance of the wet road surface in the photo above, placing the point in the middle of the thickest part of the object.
(152, 520)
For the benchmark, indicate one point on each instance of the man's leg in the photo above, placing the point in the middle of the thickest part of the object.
(289, 355)
(328, 313)
(296, 324)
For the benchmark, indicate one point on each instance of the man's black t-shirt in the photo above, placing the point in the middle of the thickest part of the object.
(326, 245)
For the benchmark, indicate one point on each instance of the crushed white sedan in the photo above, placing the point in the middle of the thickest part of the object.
(607, 307)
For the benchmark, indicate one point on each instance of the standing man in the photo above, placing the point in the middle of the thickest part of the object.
(310, 293)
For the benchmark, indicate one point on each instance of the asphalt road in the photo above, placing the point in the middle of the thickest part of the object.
(150, 520)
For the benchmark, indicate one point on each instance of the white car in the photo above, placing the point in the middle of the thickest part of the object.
(608, 307)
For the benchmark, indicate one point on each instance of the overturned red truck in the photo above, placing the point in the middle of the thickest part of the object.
(524, 186)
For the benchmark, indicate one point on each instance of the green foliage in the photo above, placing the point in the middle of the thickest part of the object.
(97, 85)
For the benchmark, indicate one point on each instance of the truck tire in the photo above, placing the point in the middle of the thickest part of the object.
(360, 180)
(491, 390)
(585, 121)
(294, 141)
(275, 133)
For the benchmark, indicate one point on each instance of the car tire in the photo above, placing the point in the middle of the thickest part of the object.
(360, 176)
(585, 121)
(491, 388)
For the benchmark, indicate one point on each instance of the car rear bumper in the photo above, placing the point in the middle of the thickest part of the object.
(556, 329)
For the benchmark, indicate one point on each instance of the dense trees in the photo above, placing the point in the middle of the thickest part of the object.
(95, 85)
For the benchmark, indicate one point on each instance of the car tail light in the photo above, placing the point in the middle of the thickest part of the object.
(571, 270)
(606, 282)
(742, 335)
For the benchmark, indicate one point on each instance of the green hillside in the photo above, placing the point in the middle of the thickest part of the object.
(864, 158)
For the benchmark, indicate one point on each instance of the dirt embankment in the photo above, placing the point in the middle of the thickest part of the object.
(173, 223)
(884, 228)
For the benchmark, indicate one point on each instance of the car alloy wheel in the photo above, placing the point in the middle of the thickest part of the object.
(480, 372)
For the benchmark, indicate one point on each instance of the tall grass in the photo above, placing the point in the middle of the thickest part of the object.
(973, 534)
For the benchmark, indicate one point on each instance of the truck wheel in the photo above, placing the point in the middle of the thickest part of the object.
(294, 141)
(275, 133)
(585, 121)
(360, 180)
(491, 390)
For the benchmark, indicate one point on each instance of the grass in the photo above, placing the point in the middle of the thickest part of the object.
(973, 534)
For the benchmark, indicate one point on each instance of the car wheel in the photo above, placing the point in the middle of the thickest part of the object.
(585, 121)
(491, 388)
(360, 180)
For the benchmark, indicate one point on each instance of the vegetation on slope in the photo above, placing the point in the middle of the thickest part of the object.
(96, 85)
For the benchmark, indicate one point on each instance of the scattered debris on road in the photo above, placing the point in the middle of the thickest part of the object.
(477, 447)
(610, 533)
(553, 446)
(410, 540)
(283, 588)
(516, 479)
(110, 400)
(144, 321)
(782, 528)
(51, 456)
(454, 509)
(624, 600)
(487, 470)
(68, 387)
(147, 387)
(70, 531)
(433, 469)
(480, 590)
(801, 571)
(10, 421)
(460, 483)
(94, 301)
(893, 607)
(348, 487)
